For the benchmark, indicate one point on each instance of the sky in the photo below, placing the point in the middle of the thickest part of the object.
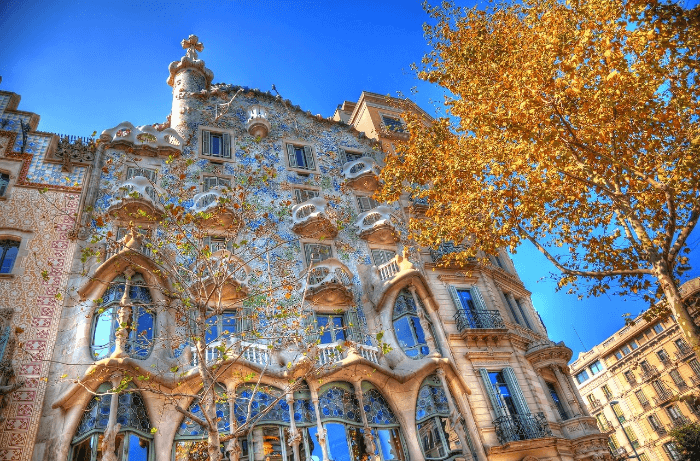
(87, 66)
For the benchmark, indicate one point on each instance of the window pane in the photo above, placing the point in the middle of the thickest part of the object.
(357, 444)
(216, 145)
(326, 334)
(314, 447)
(430, 437)
(418, 329)
(138, 448)
(390, 443)
(102, 341)
(8, 260)
(228, 323)
(337, 442)
(83, 451)
(212, 332)
(339, 328)
(402, 328)
(143, 330)
(465, 297)
(299, 157)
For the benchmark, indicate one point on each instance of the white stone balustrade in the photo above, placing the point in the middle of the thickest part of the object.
(330, 271)
(311, 209)
(335, 352)
(388, 269)
(146, 135)
(240, 350)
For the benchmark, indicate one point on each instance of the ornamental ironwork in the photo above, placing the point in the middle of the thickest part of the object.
(471, 319)
(510, 428)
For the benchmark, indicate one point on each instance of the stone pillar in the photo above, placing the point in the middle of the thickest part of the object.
(233, 448)
(567, 381)
(567, 399)
(370, 443)
(294, 434)
(121, 336)
(424, 323)
(455, 416)
(321, 431)
(108, 444)
(258, 444)
(438, 329)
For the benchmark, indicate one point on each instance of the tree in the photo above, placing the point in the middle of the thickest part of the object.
(218, 267)
(571, 125)
(687, 439)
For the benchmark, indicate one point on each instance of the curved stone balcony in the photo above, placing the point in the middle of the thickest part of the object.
(329, 354)
(329, 283)
(258, 354)
(377, 226)
(209, 202)
(222, 277)
(145, 139)
(362, 174)
(386, 275)
(257, 124)
(136, 199)
(546, 353)
(311, 220)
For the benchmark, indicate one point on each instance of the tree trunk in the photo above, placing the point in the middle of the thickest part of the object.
(676, 304)
(208, 403)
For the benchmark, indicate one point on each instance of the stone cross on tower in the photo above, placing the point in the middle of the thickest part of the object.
(192, 45)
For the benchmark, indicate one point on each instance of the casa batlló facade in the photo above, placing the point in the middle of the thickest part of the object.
(634, 383)
(411, 359)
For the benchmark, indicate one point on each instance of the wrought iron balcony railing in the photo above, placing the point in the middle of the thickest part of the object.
(521, 427)
(594, 403)
(604, 427)
(679, 421)
(468, 319)
(649, 372)
(684, 350)
(663, 396)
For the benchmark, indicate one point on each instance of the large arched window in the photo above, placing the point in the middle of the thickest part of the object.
(340, 413)
(132, 443)
(436, 436)
(139, 326)
(407, 327)
(8, 254)
(190, 440)
(385, 426)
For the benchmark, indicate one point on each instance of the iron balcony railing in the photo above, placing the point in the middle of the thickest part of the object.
(649, 372)
(604, 426)
(521, 427)
(679, 421)
(468, 319)
(667, 362)
(660, 430)
(664, 395)
(684, 350)
(594, 403)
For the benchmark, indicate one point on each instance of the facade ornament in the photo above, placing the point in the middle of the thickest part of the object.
(110, 435)
(190, 60)
(192, 45)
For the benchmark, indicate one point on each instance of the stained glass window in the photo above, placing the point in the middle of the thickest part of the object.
(377, 409)
(407, 327)
(133, 443)
(192, 429)
(262, 400)
(437, 437)
(141, 322)
(339, 402)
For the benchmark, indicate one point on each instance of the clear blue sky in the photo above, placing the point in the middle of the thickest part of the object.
(86, 66)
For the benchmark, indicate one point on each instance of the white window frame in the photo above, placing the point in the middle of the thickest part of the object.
(368, 197)
(304, 243)
(297, 191)
(310, 152)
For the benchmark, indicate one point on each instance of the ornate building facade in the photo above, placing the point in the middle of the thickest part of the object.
(412, 358)
(634, 383)
(41, 178)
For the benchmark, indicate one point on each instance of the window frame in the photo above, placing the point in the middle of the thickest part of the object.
(7, 186)
(225, 134)
(307, 262)
(298, 191)
(368, 197)
(422, 349)
(5, 247)
(309, 152)
(383, 252)
(344, 151)
(390, 129)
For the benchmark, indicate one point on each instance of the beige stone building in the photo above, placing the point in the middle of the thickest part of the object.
(634, 381)
(466, 370)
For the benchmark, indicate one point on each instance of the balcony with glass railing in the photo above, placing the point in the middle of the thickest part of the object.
(362, 174)
(512, 428)
(310, 219)
(377, 226)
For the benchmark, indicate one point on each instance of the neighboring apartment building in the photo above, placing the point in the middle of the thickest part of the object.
(470, 374)
(41, 178)
(632, 383)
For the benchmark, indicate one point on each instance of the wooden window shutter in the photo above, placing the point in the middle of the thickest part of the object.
(309, 156)
(291, 156)
(479, 303)
(498, 407)
(226, 149)
(352, 323)
(311, 328)
(515, 391)
(455, 299)
(206, 143)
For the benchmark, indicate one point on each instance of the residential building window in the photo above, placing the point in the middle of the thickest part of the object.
(618, 412)
(301, 157)
(629, 376)
(317, 252)
(663, 356)
(132, 172)
(633, 344)
(366, 203)
(613, 443)
(380, 257)
(632, 436)
(582, 376)
(596, 367)
(220, 327)
(695, 366)
(140, 324)
(643, 401)
(407, 327)
(660, 389)
(618, 355)
(216, 243)
(216, 144)
(675, 413)
(134, 439)
(654, 422)
(643, 457)
(677, 379)
(348, 156)
(557, 401)
(502, 389)
(606, 391)
(436, 435)
(522, 312)
(9, 248)
(625, 349)
(592, 401)
(672, 451)
(393, 124)
(471, 310)
(4, 182)
(211, 182)
(658, 328)
(302, 195)
(331, 327)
